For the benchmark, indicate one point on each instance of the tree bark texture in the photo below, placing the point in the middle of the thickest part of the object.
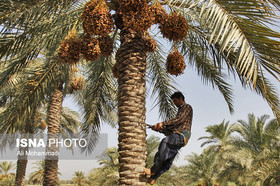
(54, 118)
(131, 69)
(21, 166)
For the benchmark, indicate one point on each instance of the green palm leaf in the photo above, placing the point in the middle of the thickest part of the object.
(237, 27)
(237, 34)
(47, 27)
(30, 96)
(98, 99)
(161, 82)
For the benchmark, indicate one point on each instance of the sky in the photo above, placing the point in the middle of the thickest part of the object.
(209, 108)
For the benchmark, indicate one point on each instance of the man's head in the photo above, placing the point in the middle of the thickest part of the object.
(178, 98)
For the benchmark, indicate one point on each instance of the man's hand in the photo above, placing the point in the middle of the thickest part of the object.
(157, 126)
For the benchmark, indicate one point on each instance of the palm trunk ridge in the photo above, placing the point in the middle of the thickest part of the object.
(131, 66)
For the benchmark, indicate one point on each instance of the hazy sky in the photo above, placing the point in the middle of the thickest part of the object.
(209, 108)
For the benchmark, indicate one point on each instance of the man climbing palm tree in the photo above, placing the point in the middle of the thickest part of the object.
(177, 131)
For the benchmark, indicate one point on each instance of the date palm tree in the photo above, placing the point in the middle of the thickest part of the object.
(20, 129)
(6, 167)
(79, 178)
(256, 133)
(108, 173)
(201, 167)
(69, 125)
(6, 177)
(176, 176)
(222, 35)
(37, 86)
(54, 117)
(36, 177)
(152, 147)
(268, 172)
(257, 146)
(220, 136)
(219, 142)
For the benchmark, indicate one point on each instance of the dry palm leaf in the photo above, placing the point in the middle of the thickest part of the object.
(78, 82)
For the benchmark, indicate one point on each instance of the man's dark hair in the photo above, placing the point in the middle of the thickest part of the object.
(177, 95)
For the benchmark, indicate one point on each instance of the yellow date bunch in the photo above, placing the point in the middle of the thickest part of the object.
(106, 45)
(175, 63)
(90, 48)
(135, 15)
(96, 18)
(69, 49)
(175, 27)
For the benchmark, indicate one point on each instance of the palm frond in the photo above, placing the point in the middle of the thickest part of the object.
(270, 94)
(272, 126)
(223, 29)
(69, 124)
(239, 29)
(30, 95)
(152, 146)
(70, 120)
(101, 92)
(197, 50)
(8, 141)
(99, 99)
(19, 47)
(275, 3)
(161, 82)
(207, 142)
(21, 13)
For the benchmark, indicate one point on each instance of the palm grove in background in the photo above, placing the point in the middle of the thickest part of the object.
(223, 38)
(6, 175)
(242, 153)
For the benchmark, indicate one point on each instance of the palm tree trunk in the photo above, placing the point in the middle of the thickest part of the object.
(131, 69)
(21, 165)
(20, 173)
(54, 117)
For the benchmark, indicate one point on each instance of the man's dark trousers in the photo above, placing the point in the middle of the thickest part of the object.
(167, 151)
